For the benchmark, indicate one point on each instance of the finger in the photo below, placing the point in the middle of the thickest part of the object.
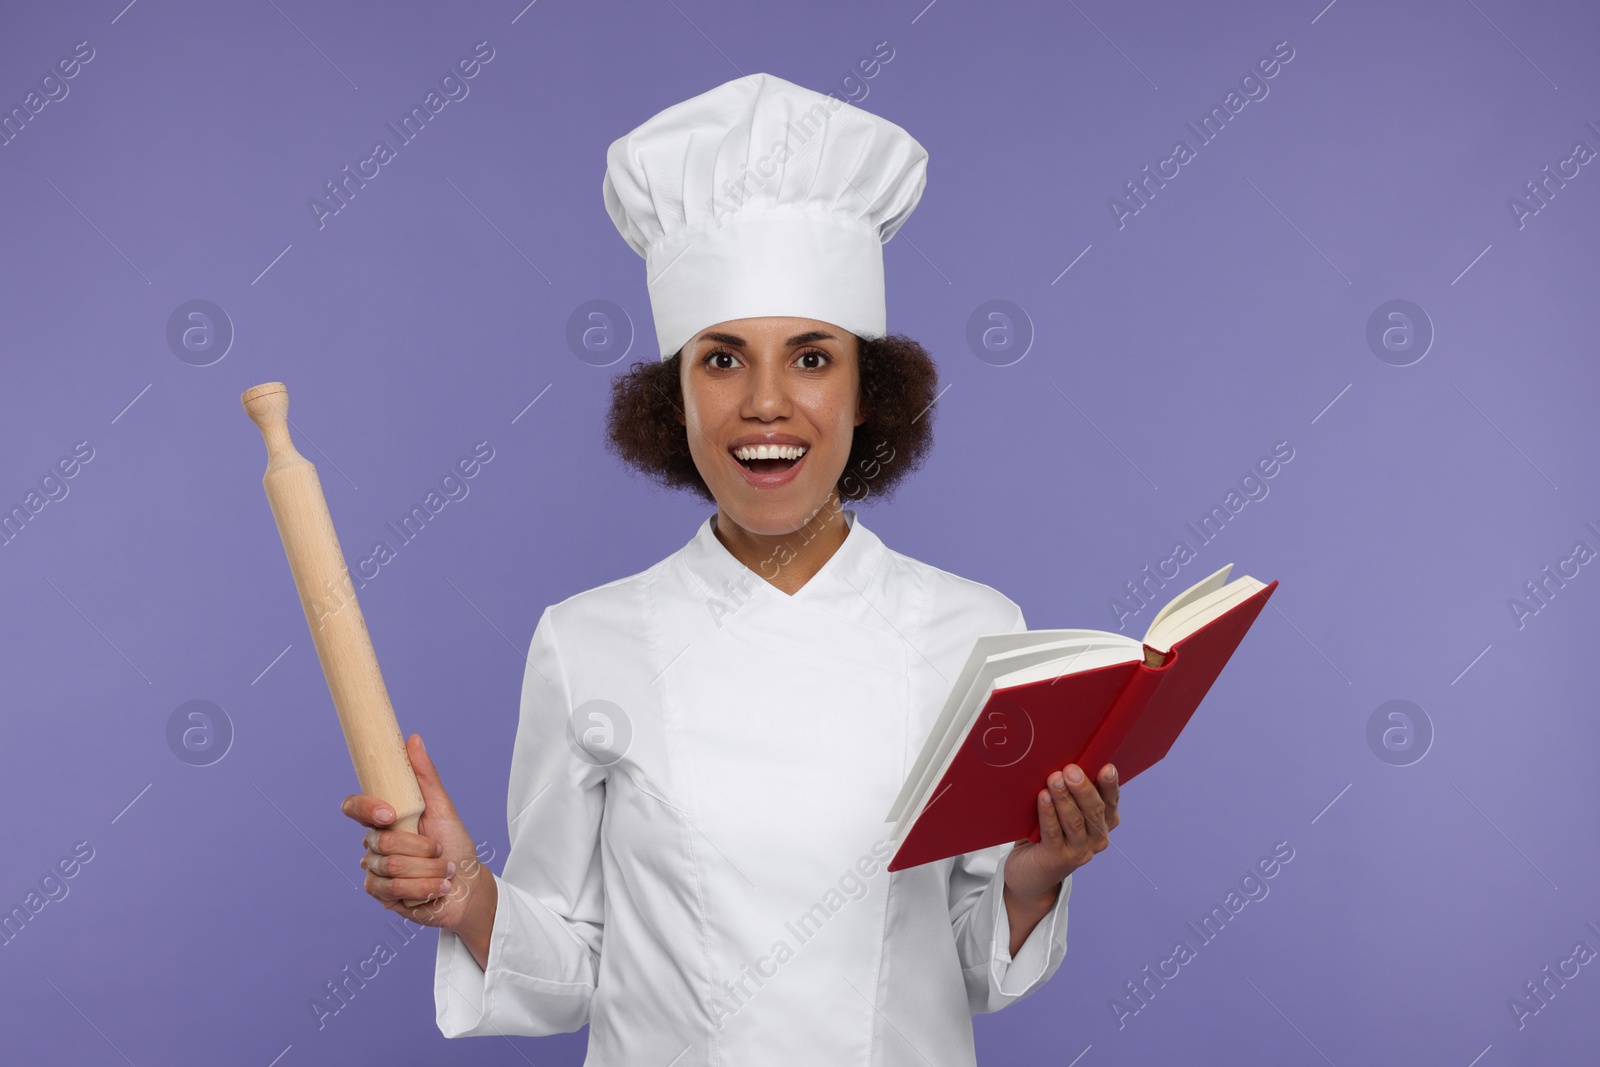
(1093, 807)
(433, 795)
(1068, 812)
(1050, 832)
(425, 912)
(386, 866)
(1087, 795)
(368, 811)
(1110, 790)
(401, 843)
(390, 890)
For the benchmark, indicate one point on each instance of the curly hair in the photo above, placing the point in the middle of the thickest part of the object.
(898, 382)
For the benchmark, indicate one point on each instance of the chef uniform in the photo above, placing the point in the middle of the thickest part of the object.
(703, 763)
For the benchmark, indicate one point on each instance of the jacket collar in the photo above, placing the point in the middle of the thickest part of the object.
(841, 583)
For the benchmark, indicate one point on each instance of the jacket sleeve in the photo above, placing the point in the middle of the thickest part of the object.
(544, 948)
(982, 929)
(994, 978)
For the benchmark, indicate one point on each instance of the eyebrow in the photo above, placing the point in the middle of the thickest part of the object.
(797, 339)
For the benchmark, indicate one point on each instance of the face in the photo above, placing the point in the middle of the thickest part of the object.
(786, 382)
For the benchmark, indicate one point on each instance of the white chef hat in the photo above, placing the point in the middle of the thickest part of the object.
(762, 197)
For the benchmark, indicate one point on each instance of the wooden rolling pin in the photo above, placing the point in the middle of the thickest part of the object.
(333, 614)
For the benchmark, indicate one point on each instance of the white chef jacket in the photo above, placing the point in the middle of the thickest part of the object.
(699, 781)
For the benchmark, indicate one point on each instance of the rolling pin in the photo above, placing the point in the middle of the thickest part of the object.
(337, 627)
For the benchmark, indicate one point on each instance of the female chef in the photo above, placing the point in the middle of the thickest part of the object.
(706, 749)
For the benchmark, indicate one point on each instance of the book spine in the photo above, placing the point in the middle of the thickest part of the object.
(1114, 728)
(1124, 713)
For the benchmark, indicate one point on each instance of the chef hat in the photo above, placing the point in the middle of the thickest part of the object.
(762, 197)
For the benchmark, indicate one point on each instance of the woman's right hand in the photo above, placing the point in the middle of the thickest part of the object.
(438, 864)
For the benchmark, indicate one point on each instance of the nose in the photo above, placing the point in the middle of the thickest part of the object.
(767, 397)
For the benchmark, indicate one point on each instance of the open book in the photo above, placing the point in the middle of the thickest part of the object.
(1027, 704)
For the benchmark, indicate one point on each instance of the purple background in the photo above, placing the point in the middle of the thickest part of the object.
(1228, 315)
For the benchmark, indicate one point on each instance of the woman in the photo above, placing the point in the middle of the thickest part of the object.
(706, 749)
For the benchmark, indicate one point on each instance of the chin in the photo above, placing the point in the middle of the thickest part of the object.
(774, 513)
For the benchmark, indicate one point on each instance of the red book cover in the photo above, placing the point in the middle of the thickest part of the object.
(1128, 714)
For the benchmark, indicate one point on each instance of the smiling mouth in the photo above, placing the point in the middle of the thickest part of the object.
(768, 459)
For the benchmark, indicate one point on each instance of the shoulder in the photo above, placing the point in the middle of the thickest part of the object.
(585, 636)
(952, 598)
(613, 607)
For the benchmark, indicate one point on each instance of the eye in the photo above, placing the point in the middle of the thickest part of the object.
(717, 353)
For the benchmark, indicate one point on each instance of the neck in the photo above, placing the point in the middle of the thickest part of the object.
(787, 561)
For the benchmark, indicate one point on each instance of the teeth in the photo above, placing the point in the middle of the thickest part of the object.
(769, 452)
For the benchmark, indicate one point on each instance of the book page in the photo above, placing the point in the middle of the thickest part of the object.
(1083, 659)
(1209, 584)
(1193, 615)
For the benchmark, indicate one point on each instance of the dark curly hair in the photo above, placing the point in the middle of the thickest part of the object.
(899, 382)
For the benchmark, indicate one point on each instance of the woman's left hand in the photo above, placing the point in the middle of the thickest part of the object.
(1075, 818)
